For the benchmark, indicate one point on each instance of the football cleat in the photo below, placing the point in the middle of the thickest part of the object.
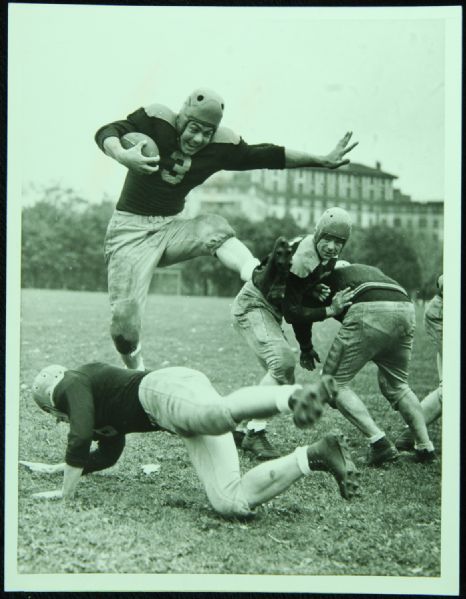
(307, 404)
(331, 454)
(258, 444)
(238, 437)
(424, 456)
(381, 452)
(270, 277)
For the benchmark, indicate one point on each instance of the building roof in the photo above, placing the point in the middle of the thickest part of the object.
(355, 168)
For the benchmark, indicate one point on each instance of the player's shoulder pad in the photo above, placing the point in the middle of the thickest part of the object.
(223, 135)
(305, 259)
(159, 111)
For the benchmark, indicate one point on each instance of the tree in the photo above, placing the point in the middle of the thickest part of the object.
(390, 250)
(430, 254)
(62, 241)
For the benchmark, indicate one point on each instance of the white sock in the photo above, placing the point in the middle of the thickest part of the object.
(135, 355)
(247, 268)
(283, 398)
(256, 425)
(429, 446)
(301, 459)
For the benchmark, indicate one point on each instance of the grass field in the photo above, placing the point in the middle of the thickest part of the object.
(124, 521)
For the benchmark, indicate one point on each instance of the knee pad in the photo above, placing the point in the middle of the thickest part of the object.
(218, 224)
(214, 230)
(124, 346)
(125, 327)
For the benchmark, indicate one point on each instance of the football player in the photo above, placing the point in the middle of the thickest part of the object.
(432, 404)
(287, 275)
(146, 230)
(377, 326)
(105, 403)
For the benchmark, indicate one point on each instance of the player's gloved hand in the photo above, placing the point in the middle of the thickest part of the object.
(57, 494)
(133, 159)
(321, 292)
(341, 300)
(309, 358)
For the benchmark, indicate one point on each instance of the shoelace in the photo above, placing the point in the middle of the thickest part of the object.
(262, 440)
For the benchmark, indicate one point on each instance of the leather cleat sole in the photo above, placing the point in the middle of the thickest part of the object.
(335, 457)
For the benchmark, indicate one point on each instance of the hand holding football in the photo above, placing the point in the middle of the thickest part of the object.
(130, 140)
(143, 154)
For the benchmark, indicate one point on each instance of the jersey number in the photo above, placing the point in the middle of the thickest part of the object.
(179, 169)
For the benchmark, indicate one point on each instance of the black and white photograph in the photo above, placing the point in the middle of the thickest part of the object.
(231, 232)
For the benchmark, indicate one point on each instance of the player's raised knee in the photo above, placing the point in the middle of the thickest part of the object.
(214, 230)
(125, 326)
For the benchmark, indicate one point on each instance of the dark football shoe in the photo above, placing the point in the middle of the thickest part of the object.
(381, 452)
(307, 404)
(270, 277)
(331, 454)
(258, 444)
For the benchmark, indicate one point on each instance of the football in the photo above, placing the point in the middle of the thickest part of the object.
(129, 140)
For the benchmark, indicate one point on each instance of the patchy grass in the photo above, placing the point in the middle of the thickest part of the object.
(124, 521)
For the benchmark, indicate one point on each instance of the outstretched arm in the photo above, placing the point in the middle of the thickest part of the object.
(332, 160)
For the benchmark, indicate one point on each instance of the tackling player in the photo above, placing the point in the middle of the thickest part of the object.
(105, 403)
(378, 326)
(146, 230)
(285, 277)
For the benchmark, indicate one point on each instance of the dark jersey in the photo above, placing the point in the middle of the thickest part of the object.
(163, 193)
(287, 291)
(102, 404)
(369, 283)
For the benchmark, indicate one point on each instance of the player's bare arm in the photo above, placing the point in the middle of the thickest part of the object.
(71, 478)
(332, 160)
(132, 158)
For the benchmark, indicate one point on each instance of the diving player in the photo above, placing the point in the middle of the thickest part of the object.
(105, 403)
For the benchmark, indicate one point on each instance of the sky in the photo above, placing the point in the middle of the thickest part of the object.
(299, 77)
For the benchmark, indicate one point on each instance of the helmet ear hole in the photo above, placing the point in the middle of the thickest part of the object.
(200, 98)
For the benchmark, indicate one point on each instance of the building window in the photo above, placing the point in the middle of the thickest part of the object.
(397, 221)
(422, 222)
(435, 223)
